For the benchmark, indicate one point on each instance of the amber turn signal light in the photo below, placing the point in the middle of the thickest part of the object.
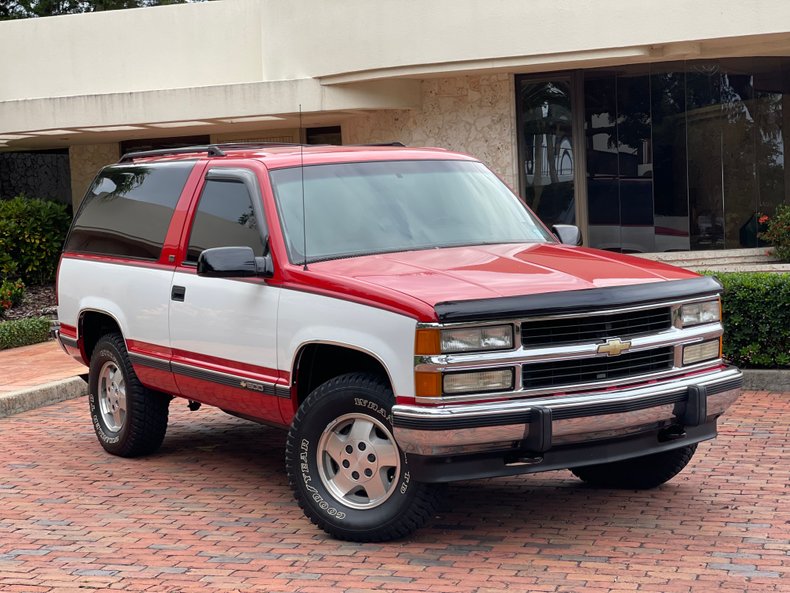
(427, 384)
(426, 342)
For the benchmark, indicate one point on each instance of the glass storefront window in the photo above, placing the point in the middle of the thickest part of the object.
(679, 155)
(546, 146)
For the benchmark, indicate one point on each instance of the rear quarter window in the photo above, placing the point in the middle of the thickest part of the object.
(128, 209)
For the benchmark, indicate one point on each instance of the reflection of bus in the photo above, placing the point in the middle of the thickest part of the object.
(621, 218)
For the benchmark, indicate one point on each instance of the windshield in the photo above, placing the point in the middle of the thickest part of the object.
(381, 207)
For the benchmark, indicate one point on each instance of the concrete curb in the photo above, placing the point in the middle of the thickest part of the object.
(41, 395)
(766, 380)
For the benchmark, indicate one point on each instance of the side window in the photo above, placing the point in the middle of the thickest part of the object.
(224, 218)
(127, 210)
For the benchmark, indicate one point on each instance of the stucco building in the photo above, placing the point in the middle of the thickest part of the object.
(655, 126)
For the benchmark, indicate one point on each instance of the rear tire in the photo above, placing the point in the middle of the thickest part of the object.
(345, 468)
(129, 419)
(639, 473)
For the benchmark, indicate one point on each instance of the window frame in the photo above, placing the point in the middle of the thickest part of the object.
(249, 179)
(85, 201)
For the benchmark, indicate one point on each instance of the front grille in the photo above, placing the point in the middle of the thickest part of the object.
(594, 327)
(593, 370)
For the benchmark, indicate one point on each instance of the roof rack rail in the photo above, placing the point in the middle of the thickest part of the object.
(242, 145)
(401, 144)
(211, 150)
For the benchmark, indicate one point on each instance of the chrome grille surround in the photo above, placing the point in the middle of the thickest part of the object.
(521, 357)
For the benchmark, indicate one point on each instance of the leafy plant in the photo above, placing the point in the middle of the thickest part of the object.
(778, 231)
(23, 332)
(11, 293)
(31, 237)
(756, 318)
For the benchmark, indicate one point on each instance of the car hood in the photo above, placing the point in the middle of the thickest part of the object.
(489, 271)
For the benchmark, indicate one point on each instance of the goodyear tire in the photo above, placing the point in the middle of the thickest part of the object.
(129, 419)
(345, 468)
(639, 473)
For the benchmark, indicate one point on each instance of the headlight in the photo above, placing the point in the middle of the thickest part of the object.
(697, 313)
(478, 381)
(494, 337)
(701, 352)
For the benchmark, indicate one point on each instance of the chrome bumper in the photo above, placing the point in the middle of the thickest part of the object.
(538, 424)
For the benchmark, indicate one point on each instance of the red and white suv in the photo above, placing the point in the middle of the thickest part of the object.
(399, 311)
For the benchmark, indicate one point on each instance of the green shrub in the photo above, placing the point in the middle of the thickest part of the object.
(777, 231)
(11, 294)
(31, 237)
(23, 332)
(756, 318)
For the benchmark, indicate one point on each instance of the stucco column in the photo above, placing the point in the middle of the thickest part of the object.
(85, 160)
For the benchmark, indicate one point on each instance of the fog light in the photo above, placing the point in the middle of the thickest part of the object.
(701, 352)
(478, 381)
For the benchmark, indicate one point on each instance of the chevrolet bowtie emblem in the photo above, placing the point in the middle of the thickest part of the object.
(614, 347)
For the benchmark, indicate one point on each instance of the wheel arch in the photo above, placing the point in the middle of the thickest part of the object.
(317, 361)
(92, 324)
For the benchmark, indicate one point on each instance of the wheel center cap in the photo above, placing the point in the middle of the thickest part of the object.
(361, 464)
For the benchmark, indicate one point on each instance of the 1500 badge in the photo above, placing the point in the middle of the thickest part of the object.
(252, 386)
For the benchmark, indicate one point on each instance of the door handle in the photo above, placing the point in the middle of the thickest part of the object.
(178, 293)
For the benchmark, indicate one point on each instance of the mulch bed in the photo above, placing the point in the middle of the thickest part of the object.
(38, 301)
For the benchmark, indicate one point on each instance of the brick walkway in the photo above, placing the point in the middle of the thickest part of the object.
(212, 511)
(31, 366)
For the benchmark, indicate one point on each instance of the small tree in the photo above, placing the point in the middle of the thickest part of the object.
(23, 9)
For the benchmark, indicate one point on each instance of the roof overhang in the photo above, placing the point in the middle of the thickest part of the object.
(36, 123)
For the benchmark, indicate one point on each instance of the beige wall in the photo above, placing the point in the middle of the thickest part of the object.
(85, 161)
(473, 114)
(131, 50)
(233, 41)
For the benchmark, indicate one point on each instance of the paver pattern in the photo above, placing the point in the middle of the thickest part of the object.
(212, 511)
(31, 366)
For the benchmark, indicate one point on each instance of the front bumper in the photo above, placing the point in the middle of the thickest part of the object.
(675, 413)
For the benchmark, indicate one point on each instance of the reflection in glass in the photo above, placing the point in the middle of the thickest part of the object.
(738, 159)
(635, 163)
(603, 192)
(704, 121)
(225, 218)
(680, 155)
(127, 210)
(546, 144)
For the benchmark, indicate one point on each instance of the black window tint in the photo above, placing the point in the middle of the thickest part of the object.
(224, 218)
(127, 210)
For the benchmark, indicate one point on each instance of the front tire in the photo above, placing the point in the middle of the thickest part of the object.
(638, 473)
(129, 420)
(345, 468)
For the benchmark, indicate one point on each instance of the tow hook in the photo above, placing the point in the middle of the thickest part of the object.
(193, 405)
(672, 433)
(523, 460)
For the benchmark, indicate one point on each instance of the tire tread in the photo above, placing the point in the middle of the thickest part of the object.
(639, 473)
(416, 515)
(147, 410)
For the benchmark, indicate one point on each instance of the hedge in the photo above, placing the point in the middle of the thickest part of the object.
(31, 237)
(23, 332)
(756, 318)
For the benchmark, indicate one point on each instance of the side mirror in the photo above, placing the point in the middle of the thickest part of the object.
(233, 262)
(568, 234)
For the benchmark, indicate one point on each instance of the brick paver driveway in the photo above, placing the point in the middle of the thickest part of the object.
(212, 511)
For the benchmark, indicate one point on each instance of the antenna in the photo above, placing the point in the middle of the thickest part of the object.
(301, 169)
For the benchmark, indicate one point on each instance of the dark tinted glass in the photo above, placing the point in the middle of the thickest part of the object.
(603, 166)
(546, 149)
(127, 210)
(225, 218)
(704, 124)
